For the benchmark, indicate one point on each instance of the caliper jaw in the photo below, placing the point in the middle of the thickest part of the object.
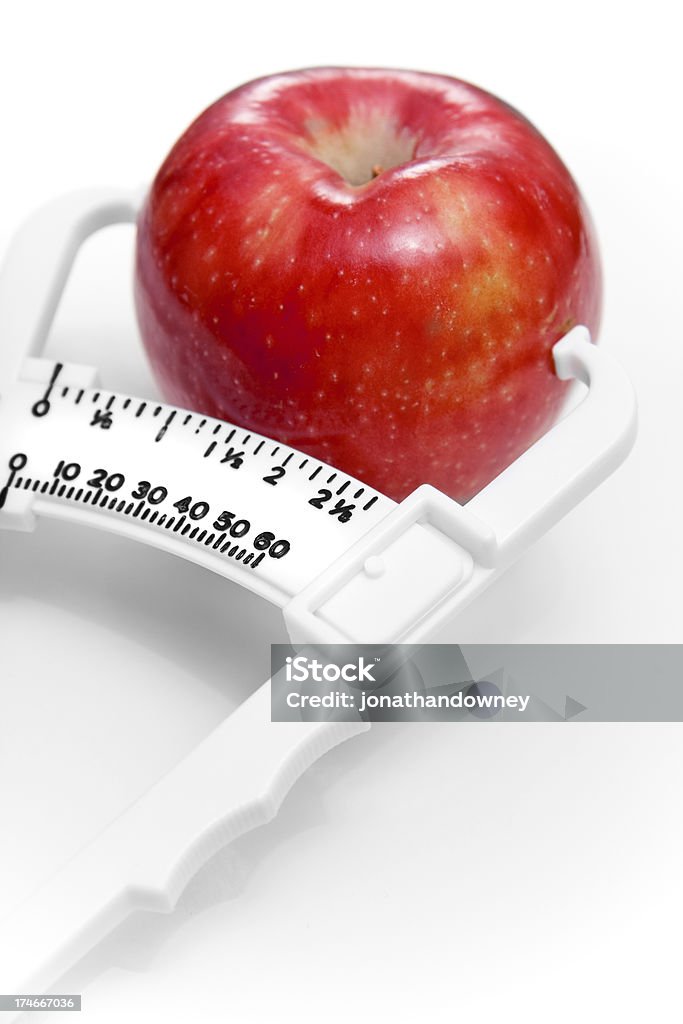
(430, 556)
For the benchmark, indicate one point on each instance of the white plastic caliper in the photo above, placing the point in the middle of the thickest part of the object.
(345, 563)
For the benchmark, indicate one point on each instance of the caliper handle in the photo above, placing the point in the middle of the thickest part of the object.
(38, 263)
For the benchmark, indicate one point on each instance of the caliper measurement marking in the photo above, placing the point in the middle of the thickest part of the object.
(233, 458)
(224, 542)
(98, 490)
(167, 423)
(42, 406)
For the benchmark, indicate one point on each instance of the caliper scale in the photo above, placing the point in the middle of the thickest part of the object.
(345, 563)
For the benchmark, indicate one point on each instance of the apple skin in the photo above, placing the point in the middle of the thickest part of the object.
(396, 322)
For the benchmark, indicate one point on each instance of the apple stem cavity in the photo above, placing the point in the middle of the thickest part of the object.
(365, 145)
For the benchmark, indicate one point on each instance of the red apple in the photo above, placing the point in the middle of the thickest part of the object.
(372, 266)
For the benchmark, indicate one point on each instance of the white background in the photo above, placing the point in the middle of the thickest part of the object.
(446, 873)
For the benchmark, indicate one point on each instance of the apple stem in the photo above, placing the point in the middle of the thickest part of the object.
(376, 170)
